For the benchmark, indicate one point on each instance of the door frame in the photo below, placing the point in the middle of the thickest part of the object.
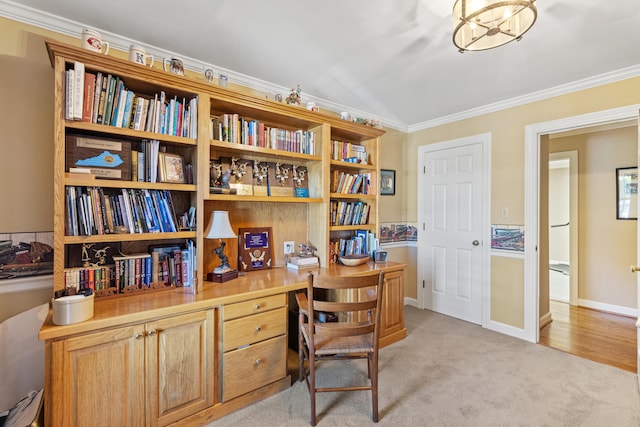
(532, 199)
(484, 140)
(572, 157)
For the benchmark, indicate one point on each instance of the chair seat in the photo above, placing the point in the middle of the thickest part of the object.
(325, 345)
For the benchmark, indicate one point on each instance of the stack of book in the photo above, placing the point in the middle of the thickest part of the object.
(301, 263)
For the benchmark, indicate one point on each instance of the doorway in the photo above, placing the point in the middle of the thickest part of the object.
(534, 155)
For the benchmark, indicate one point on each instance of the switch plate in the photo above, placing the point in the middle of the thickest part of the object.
(289, 247)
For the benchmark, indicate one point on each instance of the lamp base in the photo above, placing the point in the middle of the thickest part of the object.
(222, 277)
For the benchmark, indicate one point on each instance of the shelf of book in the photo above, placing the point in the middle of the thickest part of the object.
(231, 147)
(265, 199)
(122, 132)
(69, 240)
(75, 180)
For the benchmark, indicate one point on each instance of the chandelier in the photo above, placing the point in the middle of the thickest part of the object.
(485, 24)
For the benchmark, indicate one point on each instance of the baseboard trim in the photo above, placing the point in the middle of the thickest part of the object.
(411, 301)
(609, 308)
(545, 320)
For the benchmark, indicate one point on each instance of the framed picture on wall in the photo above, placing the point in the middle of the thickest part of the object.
(627, 193)
(387, 182)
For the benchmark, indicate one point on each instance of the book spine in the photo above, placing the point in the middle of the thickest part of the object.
(78, 90)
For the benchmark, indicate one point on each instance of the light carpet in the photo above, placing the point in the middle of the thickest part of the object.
(448, 372)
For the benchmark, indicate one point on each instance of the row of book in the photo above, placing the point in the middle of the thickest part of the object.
(95, 211)
(349, 213)
(233, 128)
(348, 152)
(103, 98)
(362, 243)
(347, 183)
(170, 266)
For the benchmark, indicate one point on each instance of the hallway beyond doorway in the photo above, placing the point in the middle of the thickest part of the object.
(595, 335)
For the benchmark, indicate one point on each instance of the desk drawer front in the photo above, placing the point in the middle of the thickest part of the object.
(258, 305)
(252, 367)
(252, 329)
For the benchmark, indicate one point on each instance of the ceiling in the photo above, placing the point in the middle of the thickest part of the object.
(389, 60)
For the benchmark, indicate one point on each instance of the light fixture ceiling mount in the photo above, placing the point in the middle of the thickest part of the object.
(485, 24)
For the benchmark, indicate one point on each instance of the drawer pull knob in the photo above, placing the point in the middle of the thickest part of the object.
(258, 329)
(152, 332)
(257, 306)
(258, 362)
(139, 335)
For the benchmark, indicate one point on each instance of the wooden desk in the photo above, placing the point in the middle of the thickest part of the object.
(160, 358)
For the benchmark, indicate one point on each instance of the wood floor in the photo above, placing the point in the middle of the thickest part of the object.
(602, 337)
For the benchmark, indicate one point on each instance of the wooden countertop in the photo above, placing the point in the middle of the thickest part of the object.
(142, 307)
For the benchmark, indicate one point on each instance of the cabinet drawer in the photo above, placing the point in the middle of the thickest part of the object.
(258, 305)
(251, 329)
(252, 367)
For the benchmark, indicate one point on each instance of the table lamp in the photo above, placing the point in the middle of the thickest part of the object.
(220, 228)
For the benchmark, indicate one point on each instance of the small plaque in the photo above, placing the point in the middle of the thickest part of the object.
(255, 248)
(106, 158)
(300, 181)
(260, 172)
(241, 175)
(280, 180)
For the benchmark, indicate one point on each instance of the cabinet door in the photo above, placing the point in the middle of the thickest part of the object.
(102, 379)
(392, 316)
(180, 366)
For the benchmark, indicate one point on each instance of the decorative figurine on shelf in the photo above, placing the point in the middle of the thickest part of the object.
(219, 180)
(282, 173)
(294, 97)
(306, 250)
(224, 260)
(260, 172)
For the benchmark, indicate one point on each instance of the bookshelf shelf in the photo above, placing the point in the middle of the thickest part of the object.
(84, 182)
(105, 130)
(263, 199)
(354, 166)
(69, 240)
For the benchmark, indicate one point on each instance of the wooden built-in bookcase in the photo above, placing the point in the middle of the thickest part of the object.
(299, 219)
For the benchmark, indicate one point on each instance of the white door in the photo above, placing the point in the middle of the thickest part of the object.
(452, 195)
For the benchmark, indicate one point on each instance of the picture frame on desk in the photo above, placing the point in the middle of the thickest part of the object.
(255, 248)
(171, 168)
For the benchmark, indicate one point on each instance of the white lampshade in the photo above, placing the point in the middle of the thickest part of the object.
(219, 226)
(485, 24)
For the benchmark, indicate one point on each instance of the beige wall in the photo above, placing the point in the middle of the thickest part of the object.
(607, 246)
(27, 149)
(507, 160)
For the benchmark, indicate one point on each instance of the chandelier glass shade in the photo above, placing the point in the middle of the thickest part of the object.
(485, 24)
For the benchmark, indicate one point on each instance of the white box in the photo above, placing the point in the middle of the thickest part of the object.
(72, 309)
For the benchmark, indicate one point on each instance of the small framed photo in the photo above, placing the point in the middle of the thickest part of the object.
(171, 168)
(387, 182)
(627, 193)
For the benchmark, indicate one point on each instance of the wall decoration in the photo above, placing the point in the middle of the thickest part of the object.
(627, 193)
(387, 182)
(507, 237)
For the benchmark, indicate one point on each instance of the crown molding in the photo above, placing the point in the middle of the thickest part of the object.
(61, 25)
(64, 26)
(578, 85)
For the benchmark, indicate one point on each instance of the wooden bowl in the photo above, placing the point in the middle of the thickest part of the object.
(353, 260)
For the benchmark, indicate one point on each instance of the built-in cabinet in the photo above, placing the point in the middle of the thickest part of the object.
(183, 357)
(152, 373)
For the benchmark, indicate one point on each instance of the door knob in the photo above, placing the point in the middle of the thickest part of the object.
(634, 269)
(475, 243)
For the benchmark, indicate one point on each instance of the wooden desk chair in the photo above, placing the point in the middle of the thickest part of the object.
(353, 336)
